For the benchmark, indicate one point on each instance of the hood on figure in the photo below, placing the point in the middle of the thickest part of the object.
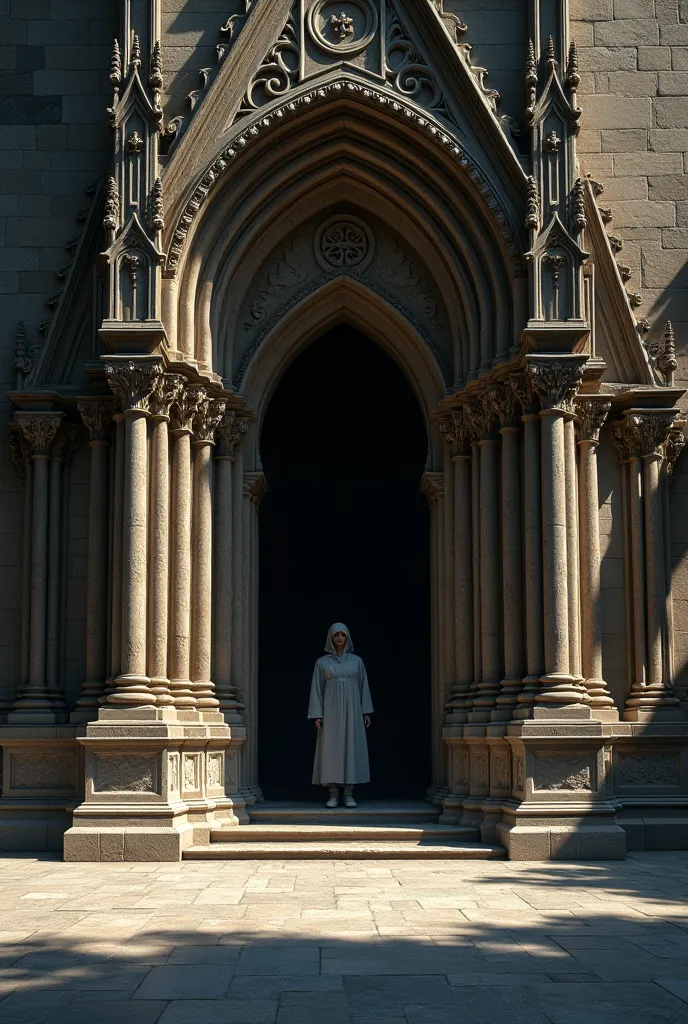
(338, 627)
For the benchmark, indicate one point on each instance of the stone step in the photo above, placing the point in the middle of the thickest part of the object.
(343, 833)
(368, 812)
(357, 850)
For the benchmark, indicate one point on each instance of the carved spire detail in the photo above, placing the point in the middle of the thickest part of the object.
(550, 54)
(666, 361)
(135, 52)
(116, 66)
(155, 77)
(532, 204)
(572, 76)
(531, 65)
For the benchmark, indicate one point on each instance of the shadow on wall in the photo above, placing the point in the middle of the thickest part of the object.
(560, 944)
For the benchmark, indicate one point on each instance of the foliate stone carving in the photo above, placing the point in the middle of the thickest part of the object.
(167, 390)
(255, 487)
(116, 773)
(97, 415)
(278, 72)
(556, 381)
(173, 773)
(649, 770)
(572, 76)
(532, 205)
(190, 773)
(288, 272)
(520, 773)
(342, 27)
(230, 434)
(502, 401)
(395, 268)
(344, 242)
(590, 416)
(522, 389)
(432, 486)
(578, 203)
(186, 407)
(262, 123)
(214, 769)
(39, 430)
(47, 771)
(675, 444)
(207, 419)
(133, 383)
(478, 415)
(562, 773)
(157, 206)
(642, 434)
(455, 432)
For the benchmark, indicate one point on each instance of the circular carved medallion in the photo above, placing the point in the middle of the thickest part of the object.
(342, 27)
(344, 242)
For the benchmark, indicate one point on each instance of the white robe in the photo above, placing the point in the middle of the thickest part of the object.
(340, 696)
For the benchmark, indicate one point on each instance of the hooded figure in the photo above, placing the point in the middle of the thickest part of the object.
(340, 697)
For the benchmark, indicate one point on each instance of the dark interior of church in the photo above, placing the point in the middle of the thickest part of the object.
(344, 535)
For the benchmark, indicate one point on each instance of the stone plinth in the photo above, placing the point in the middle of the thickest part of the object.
(157, 781)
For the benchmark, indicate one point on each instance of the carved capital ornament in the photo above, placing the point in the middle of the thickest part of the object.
(97, 414)
(642, 434)
(556, 380)
(39, 430)
(133, 383)
(591, 414)
(230, 434)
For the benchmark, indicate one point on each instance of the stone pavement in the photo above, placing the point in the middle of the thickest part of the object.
(329, 942)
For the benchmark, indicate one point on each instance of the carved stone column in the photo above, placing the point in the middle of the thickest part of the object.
(167, 390)
(97, 415)
(20, 457)
(254, 490)
(572, 552)
(205, 422)
(228, 438)
(504, 403)
(133, 383)
(117, 520)
(555, 380)
(62, 449)
(432, 486)
(183, 413)
(33, 703)
(475, 557)
(640, 437)
(591, 412)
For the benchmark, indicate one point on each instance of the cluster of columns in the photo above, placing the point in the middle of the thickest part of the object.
(42, 443)
(158, 544)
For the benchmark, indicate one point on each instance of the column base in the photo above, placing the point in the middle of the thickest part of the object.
(157, 780)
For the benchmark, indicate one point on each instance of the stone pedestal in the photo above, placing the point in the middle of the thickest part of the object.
(157, 781)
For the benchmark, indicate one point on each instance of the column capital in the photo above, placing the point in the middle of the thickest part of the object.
(207, 419)
(455, 431)
(556, 379)
(97, 415)
(478, 417)
(168, 388)
(133, 382)
(255, 487)
(642, 433)
(66, 440)
(522, 388)
(674, 446)
(186, 407)
(39, 430)
(591, 412)
(432, 486)
(230, 435)
(502, 401)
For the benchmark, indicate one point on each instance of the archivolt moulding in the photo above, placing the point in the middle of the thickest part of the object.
(248, 133)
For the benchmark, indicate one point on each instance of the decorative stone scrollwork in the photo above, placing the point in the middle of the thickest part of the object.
(214, 770)
(522, 389)
(173, 776)
(133, 383)
(556, 381)
(562, 773)
(395, 268)
(288, 272)
(190, 774)
(641, 435)
(406, 70)
(207, 419)
(344, 242)
(278, 72)
(39, 431)
(97, 415)
(478, 415)
(460, 767)
(230, 434)
(342, 27)
(19, 454)
(591, 414)
(166, 392)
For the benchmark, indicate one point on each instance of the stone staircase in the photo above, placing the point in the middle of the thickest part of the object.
(373, 830)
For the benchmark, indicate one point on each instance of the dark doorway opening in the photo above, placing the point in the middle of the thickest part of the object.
(344, 535)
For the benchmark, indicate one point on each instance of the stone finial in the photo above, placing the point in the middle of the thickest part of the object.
(532, 204)
(168, 388)
(531, 65)
(207, 420)
(155, 77)
(550, 53)
(185, 408)
(116, 66)
(666, 361)
(591, 412)
(572, 76)
(643, 434)
(97, 415)
(675, 443)
(133, 383)
(112, 205)
(157, 206)
(556, 380)
(230, 434)
(135, 52)
(432, 486)
(39, 430)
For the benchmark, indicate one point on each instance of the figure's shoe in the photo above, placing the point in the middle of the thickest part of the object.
(334, 797)
(349, 797)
